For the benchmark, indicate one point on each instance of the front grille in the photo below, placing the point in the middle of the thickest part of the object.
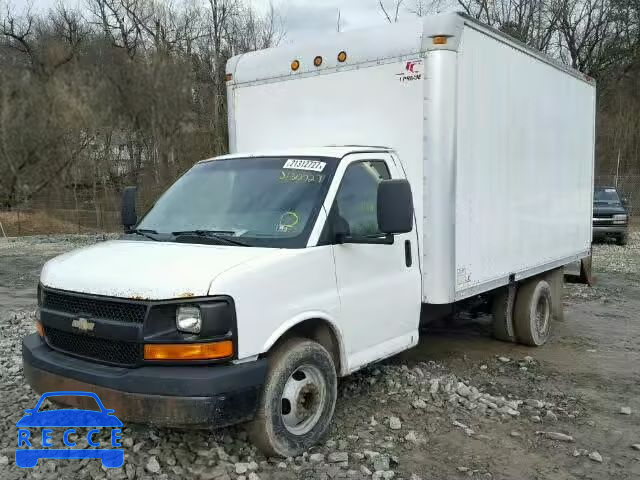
(93, 307)
(110, 351)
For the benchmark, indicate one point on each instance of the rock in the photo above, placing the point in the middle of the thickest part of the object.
(394, 423)
(463, 469)
(483, 367)
(316, 458)
(419, 403)
(636, 446)
(550, 416)
(414, 477)
(388, 475)
(371, 454)
(4, 460)
(130, 471)
(243, 468)
(561, 437)
(515, 434)
(504, 359)
(579, 452)
(532, 402)
(338, 457)
(365, 471)
(252, 466)
(282, 465)
(625, 411)
(528, 359)
(128, 442)
(152, 465)
(381, 463)
(434, 384)
(411, 437)
(596, 457)
(536, 419)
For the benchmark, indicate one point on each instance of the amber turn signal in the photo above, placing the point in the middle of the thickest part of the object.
(342, 57)
(295, 65)
(39, 329)
(229, 77)
(188, 351)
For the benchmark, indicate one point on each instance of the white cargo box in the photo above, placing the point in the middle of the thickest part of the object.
(497, 140)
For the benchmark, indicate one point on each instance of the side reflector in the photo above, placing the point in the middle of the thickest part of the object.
(440, 40)
(317, 61)
(229, 77)
(342, 57)
(188, 351)
(40, 329)
(295, 65)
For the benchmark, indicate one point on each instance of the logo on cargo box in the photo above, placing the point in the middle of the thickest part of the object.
(412, 71)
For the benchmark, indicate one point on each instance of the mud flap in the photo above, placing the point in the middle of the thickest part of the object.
(503, 305)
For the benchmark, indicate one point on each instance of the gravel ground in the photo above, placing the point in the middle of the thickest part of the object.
(460, 405)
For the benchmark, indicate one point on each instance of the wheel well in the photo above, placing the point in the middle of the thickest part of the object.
(318, 330)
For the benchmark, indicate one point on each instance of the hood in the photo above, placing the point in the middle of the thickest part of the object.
(145, 270)
(607, 209)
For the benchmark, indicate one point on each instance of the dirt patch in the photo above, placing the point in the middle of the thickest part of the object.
(496, 411)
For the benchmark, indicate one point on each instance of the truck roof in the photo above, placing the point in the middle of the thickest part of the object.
(331, 151)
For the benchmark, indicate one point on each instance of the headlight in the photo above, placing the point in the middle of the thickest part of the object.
(621, 218)
(188, 319)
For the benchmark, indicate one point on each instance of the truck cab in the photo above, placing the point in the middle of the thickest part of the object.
(302, 254)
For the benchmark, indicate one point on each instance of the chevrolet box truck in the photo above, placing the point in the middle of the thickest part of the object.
(376, 178)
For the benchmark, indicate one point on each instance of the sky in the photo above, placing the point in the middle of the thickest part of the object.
(302, 18)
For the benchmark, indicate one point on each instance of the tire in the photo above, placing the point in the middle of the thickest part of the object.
(502, 309)
(622, 239)
(533, 312)
(300, 370)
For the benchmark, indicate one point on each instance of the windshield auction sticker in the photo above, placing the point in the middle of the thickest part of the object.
(313, 165)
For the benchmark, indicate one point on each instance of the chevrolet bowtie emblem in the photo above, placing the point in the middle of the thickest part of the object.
(83, 324)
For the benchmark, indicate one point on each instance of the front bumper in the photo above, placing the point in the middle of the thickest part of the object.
(185, 395)
(604, 230)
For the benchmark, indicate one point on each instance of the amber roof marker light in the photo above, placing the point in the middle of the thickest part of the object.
(317, 61)
(342, 57)
(440, 39)
(295, 65)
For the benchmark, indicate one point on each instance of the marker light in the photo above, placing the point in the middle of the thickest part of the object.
(342, 57)
(188, 319)
(40, 329)
(440, 40)
(229, 77)
(188, 351)
(295, 65)
(317, 61)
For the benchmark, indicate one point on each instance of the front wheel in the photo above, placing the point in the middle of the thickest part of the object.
(297, 401)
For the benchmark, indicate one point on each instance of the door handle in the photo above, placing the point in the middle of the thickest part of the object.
(407, 253)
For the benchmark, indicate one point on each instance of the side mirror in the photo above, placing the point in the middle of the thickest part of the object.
(129, 216)
(624, 201)
(395, 206)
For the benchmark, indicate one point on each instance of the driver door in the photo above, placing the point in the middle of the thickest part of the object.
(378, 276)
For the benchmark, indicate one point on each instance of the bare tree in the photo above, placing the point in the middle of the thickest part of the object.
(391, 14)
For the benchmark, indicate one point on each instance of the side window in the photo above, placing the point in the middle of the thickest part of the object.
(357, 198)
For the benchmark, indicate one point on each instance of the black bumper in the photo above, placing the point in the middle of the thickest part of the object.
(196, 395)
(605, 230)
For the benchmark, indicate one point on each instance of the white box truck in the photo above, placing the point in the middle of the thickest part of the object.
(262, 276)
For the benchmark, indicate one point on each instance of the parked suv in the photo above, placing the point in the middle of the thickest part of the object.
(610, 215)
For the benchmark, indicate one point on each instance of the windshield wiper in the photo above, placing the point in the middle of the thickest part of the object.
(145, 233)
(219, 235)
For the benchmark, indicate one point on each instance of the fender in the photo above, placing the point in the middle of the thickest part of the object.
(301, 317)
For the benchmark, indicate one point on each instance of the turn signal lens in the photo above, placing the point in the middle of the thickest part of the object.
(188, 351)
(440, 40)
(229, 77)
(317, 61)
(295, 65)
(342, 57)
(40, 329)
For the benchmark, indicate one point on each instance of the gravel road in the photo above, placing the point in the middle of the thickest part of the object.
(460, 405)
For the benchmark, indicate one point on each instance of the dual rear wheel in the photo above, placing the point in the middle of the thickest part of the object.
(523, 313)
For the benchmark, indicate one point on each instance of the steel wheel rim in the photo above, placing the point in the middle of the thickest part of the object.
(542, 314)
(303, 400)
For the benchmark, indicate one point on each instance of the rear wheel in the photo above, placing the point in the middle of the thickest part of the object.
(533, 312)
(297, 401)
(622, 239)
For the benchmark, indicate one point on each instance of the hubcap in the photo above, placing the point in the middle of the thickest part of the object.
(543, 312)
(303, 399)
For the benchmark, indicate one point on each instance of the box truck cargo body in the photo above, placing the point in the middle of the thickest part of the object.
(496, 139)
(376, 178)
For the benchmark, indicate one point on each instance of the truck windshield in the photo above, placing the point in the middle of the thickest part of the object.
(266, 202)
(605, 195)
